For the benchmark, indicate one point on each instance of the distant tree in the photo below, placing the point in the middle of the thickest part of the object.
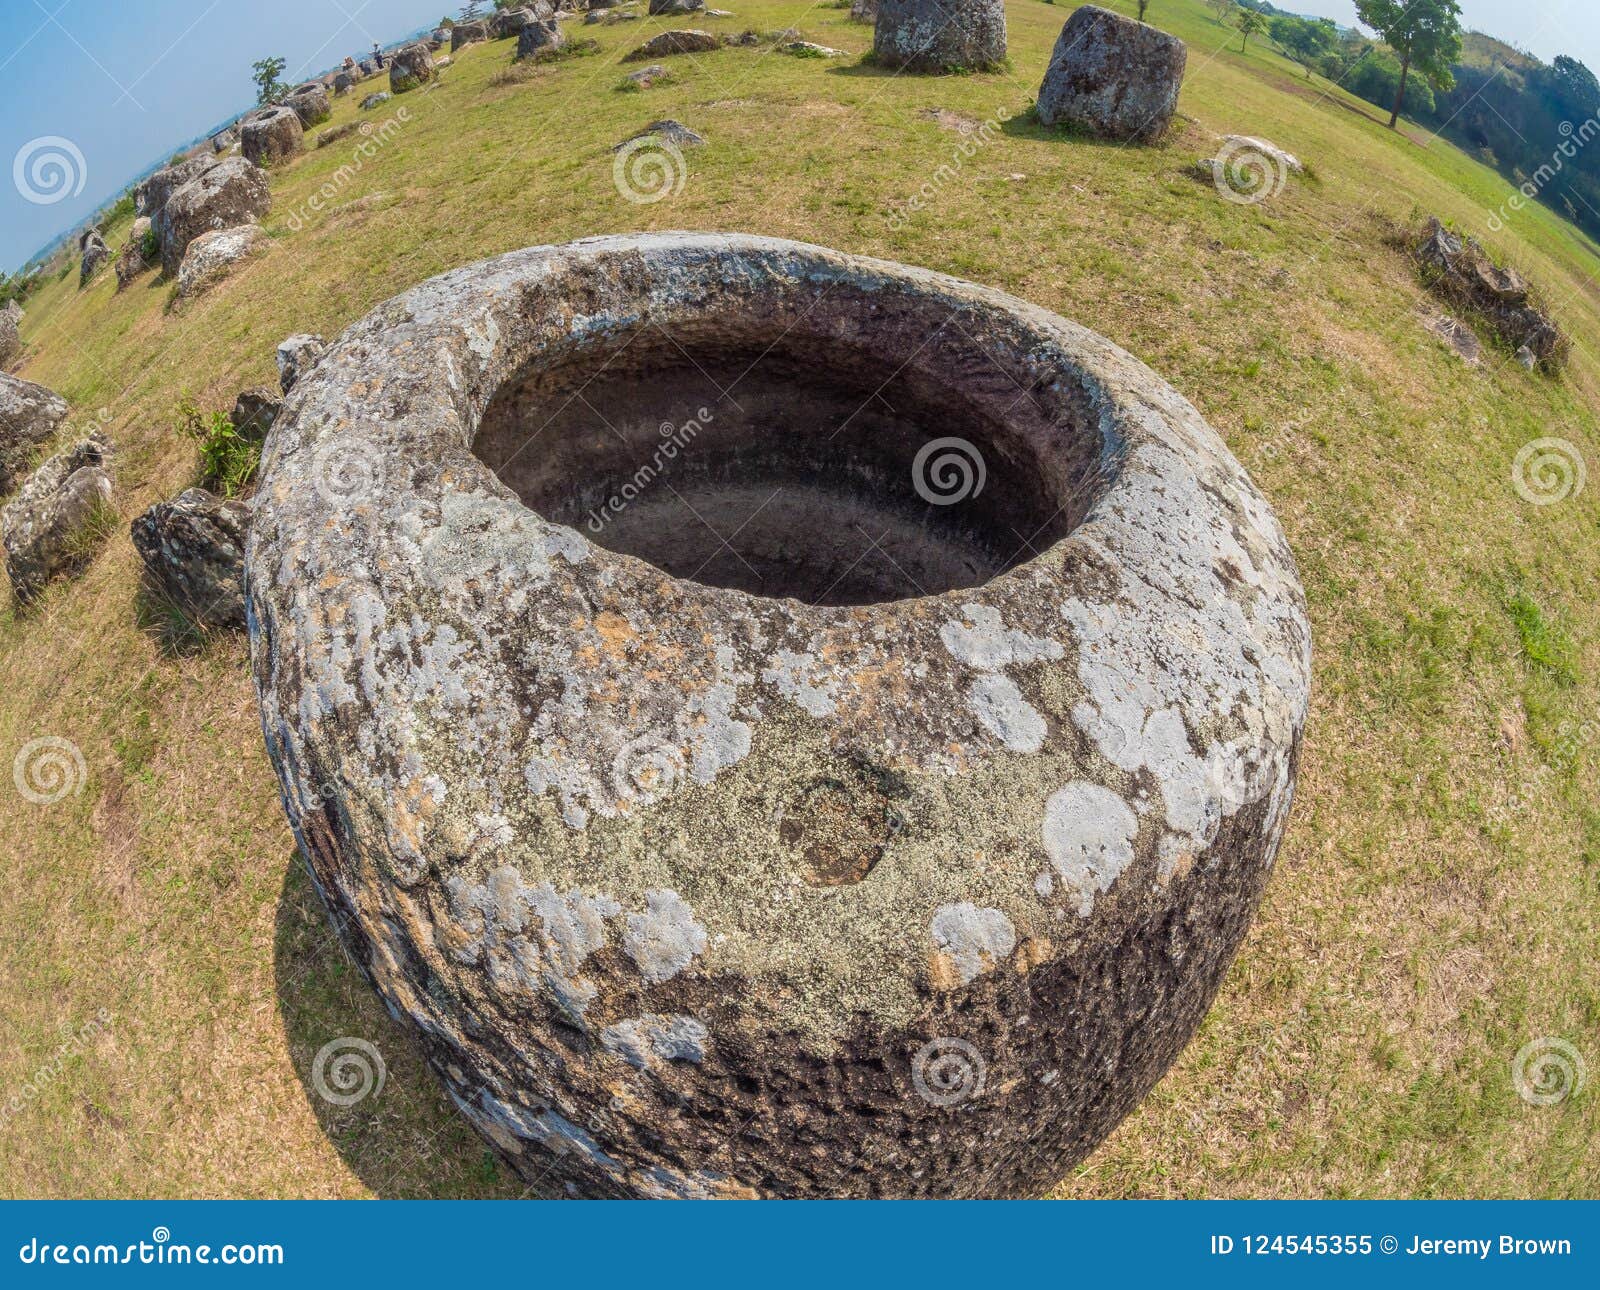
(1571, 87)
(1424, 34)
(471, 11)
(1306, 40)
(265, 73)
(1143, 5)
(1223, 10)
(1249, 22)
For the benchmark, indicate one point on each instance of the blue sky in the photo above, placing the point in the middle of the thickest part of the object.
(123, 82)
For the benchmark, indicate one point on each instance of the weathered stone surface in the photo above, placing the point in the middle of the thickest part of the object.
(675, 6)
(645, 76)
(1459, 270)
(374, 100)
(131, 260)
(223, 140)
(29, 415)
(41, 528)
(510, 22)
(273, 136)
(10, 337)
(864, 10)
(254, 411)
(296, 355)
(467, 33)
(231, 193)
(537, 37)
(1112, 76)
(151, 194)
(343, 83)
(908, 864)
(809, 49)
(213, 256)
(674, 42)
(410, 67)
(940, 35)
(95, 253)
(311, 104)
(193, 550)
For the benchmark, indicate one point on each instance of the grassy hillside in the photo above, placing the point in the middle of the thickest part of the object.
(1434, 906)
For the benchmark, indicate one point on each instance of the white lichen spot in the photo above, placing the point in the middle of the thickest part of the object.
(976, 939)
(988, 645)
(664, 939)
(1088, 835)
(801, 678)
(1002, 711)
(651, 1039)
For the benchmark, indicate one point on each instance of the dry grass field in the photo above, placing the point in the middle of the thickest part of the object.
(166, 975)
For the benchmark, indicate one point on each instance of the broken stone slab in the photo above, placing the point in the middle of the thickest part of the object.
(273, 136)
(29, 415)
(213, 256)
(1460, 271)
(374, 100)
(659, 7)
(581, 785)
(231, 193)
(193, 551)
(688, 41)
(296, 355)
(938, 36)
(254, 411)
(43, 528)
(674, 132)
(1112, 77)
(645, 76)
(809, 49)
(468, 33)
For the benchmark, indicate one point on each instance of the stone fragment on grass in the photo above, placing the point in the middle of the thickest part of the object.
(95, 253)
(193, 551)
(212, 256)
(46, 529)
(29, 415)
(688, 41)
(674, 132)
(374, 100)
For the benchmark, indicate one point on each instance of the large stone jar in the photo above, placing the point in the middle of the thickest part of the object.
(773, 722)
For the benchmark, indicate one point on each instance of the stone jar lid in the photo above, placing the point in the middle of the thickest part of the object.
(709, 671)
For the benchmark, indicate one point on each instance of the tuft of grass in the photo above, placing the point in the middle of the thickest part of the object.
(1544, 643)
(99, 524)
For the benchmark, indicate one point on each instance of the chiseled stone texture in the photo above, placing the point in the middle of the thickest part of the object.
(1112, 76)
(689, 891)
(940, 35)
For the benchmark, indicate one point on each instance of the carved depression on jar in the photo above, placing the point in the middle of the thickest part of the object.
(773, 722)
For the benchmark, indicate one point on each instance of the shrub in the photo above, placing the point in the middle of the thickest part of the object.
(228, 461)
